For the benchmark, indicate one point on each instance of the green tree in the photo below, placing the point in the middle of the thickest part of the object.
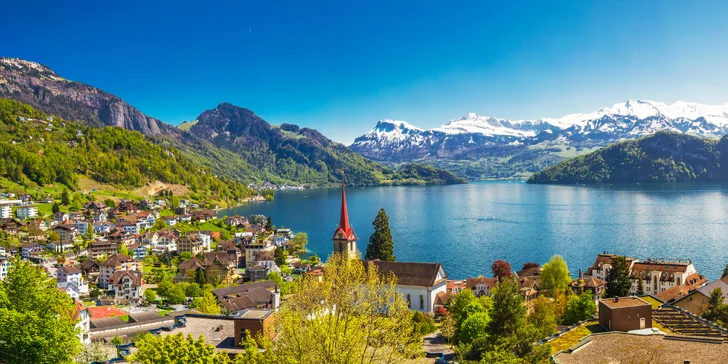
(206, 304)
(159, 224)
(55, 208)
(53, 236)
(150, 296)
(555, 275)
(459, 301)
(618, 280)
(299, 242)
(193, 290)
(65, 198)
(279, 257)
(344, 323)
(579, 308)
(269, 223)
(475, 326)
(381, 245)
(200, 277)
(543, 317)
(175, 349)
(123, 250)
(110, 203)
(725, 272)
(36, 324)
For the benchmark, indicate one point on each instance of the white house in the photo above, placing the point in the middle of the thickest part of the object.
(70, 279)
(27, 212)
(127, 286)
(419, 283)
(4, 267)
(656, 275)
(83, 318)
(82, 226)
(6, 212)
(139, 252)
(113, 264)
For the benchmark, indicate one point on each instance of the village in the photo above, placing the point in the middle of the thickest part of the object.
(153, 266)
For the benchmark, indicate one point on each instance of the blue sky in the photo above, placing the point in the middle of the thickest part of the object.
(340, 66)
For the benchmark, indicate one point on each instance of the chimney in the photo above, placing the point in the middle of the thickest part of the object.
(579, 273)
(616, 299)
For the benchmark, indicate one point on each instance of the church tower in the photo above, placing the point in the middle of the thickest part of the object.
(344, 237)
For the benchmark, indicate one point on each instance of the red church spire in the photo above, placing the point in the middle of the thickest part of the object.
(344, 220)
(344, 228)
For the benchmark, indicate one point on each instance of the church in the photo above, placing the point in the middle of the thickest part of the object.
(419, 283)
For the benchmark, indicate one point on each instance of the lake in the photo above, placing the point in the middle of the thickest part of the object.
(467, 227)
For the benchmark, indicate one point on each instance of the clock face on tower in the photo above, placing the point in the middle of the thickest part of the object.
(341, 235)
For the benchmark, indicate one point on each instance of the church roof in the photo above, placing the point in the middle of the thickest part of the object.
(411, 273)
(344, 231)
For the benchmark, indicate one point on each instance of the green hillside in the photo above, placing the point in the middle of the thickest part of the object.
(37, 151)
(663, 157)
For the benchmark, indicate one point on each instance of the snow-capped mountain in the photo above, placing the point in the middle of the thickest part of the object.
(474, 136)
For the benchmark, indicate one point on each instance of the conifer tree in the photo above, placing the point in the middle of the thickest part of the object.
(381, 245)
(618, 280)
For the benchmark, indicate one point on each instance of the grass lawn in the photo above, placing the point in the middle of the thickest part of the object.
(655, 303)
(572, 337)
(212, 227)
(164, 213)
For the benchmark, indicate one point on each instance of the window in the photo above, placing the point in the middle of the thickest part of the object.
(422, 302)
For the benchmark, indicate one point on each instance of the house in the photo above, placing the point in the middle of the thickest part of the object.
(6, 212)
(191, 243)
(603, 263)
(127, 206)
(259, 295)
(593, 285)
(203, 215)
(286, 233)
(253, 248)
(96, 206)
(26, 212)
(103, 227)
(100, 217)
(31, 248)
(300, 268)
(70, 279)
(256, 273)
(219, 267)
(624, 314)
(697, 300)
(90, 268)
(231, 248)
(188, 269)
(67, 233)
(139, 252)
(150, 238)
(4, 267)
(82, 226)
(113, 264)
(236, 220)
(266, 259)
(11, 226)
(83, 321)
(657, 275)
(76, 216)
(60, 217)
(481, 286)
(419, 283)
(127, 286)
(170, 220)
(99, 248)
(167, 242)
(529, 289)
(257, 323)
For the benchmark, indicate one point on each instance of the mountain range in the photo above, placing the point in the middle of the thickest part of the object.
(481, 147)
(233, 141)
